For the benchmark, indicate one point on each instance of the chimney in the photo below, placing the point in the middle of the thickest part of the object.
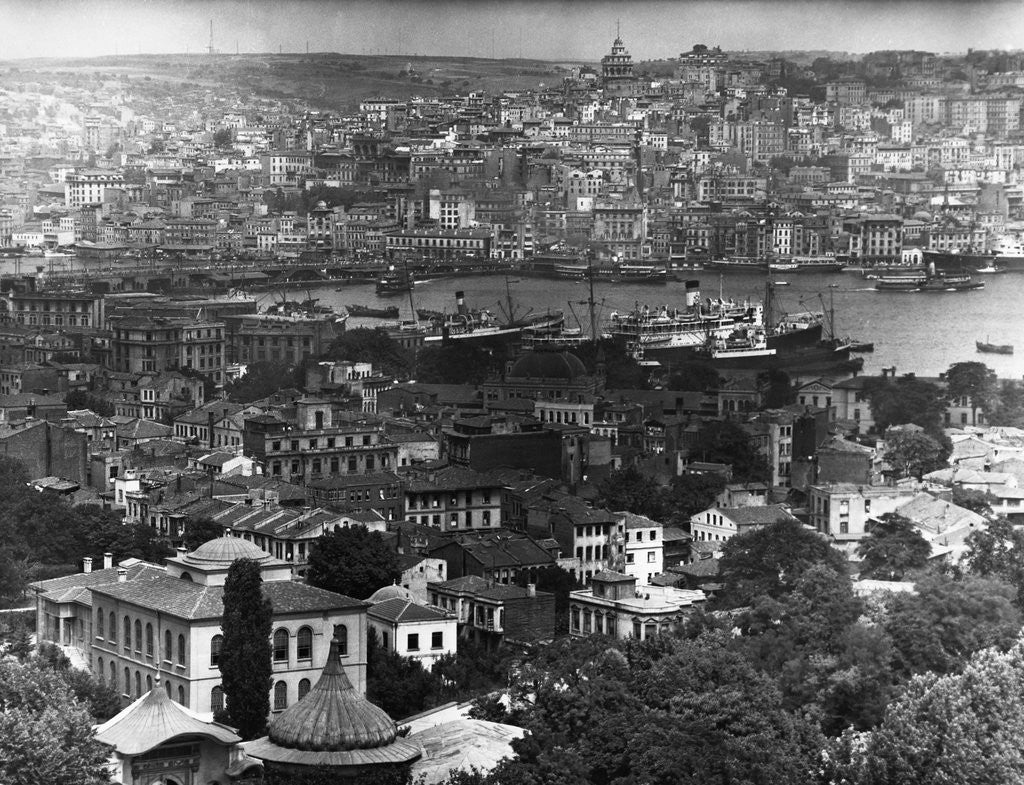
(210, 420)
(460, 302)
(87, 564)
(108, 561)
(122, 575)
(182, 550)
(531, 590)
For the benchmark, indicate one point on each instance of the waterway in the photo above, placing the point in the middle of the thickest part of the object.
(917, 332)
(922, 333)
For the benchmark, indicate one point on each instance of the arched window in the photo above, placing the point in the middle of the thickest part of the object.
(138, 683)
(304, 644)
(99, 669)
(181, 695)
(99, 623)
(149, 640)
(181, 649)
(168, 646)
(112, 626)
(303, 688)
(113, 677)
(217, 699)
(215, 645)
(149, 683)
(280, 696)
(281, 645)
(138, 636)
(341, 636)
(127, 634)
(167, 685)
(127, 682)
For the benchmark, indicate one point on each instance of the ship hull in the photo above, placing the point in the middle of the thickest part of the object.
(961, 261)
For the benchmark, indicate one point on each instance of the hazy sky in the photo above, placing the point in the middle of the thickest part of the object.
(550, 29)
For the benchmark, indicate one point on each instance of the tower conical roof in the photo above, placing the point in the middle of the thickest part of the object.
(333, 725)
(333, 716)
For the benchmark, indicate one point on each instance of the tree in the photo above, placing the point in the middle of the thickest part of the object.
(261, 380)
(694, 377)
(631, 490)
(768, 562)
(45, 734)
(913, 453)
(892, 547)
(399, 685)
(222, 137)
(373, 346)
(906, 400)
(79, 399)
(779, 388)
(945, 621)
(974, 381)
(352, 560)
(962, 728)
(691, 494)
(459, 362)
(200, 530)
(244, 660)
(726, 442)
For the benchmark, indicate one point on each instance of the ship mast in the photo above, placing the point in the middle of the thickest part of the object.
(408, 281)
(769, 288)
(590, 300)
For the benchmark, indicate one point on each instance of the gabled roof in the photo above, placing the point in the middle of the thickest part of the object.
(67, 588)
(397, 611)
(155, 719)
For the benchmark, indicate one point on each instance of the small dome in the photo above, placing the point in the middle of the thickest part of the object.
(224, 550)
(333, 716)
(548, 365)
(321, 205)
(392, 592)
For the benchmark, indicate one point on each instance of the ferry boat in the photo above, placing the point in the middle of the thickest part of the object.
(624, 272)
(645, 329)
(390, 312)
(394, 282)
(746, 342)
(473, 324)
(994, 348)
(927, 281)
(826, 263)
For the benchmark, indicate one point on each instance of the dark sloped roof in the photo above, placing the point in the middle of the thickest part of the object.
(67, 588)
(399, 610)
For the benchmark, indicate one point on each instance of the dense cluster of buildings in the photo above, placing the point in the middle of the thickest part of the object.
(676, 162)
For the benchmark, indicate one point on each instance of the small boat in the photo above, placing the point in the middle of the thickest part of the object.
(861, 346)
(781, 283)
(989, 269)
(391, 312)
(994, 348)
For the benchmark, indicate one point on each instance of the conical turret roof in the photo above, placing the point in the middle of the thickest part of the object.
(333, 725)
(333, 716)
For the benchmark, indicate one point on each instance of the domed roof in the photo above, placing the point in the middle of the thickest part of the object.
(392, 592)
(225, 550)
(333, 716)
(540, 364)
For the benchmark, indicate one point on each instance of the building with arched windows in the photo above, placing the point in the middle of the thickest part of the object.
(132, 625)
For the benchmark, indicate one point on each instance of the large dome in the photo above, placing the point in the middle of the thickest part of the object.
(392, 592)
(548, 365)
(224, 550)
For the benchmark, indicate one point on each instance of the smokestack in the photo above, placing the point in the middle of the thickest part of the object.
(460, 302)
(692, 293)
(108, 561)
(122, 575)
(87, 564)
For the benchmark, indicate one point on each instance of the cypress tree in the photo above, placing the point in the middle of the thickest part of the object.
(245, 664)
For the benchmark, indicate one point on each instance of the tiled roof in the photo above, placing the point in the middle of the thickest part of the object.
(455, 478)
(467, 583)
(397, 611)
(752, 516)
(66, 588)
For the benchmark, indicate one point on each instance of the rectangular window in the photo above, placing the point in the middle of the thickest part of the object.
(437, 640)
(414, 642)
(651, 556)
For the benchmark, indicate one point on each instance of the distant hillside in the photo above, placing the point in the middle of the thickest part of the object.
(328, 80)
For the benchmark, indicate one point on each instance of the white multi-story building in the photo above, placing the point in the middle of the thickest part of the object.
(89, 186)
(138, 622)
